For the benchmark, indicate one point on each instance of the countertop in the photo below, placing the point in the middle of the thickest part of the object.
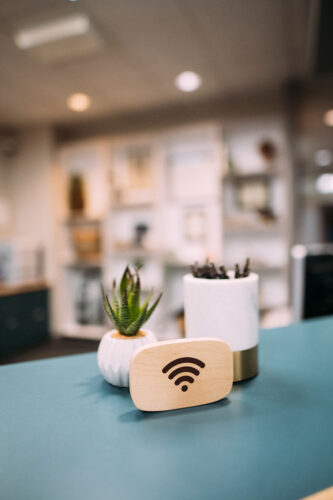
(67, 434)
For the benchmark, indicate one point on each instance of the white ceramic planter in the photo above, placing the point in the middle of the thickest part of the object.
(115, 352)
(228, 310)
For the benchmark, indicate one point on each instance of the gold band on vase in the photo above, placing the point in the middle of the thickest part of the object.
(245, 364)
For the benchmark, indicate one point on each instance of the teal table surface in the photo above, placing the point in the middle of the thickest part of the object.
(67, 434)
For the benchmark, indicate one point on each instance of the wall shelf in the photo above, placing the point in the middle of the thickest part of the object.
(252, 229)
(244, 176)
(149, 176)
(253, 188)
(132, 253)
(131, 206)
(83, 264)
(78, 221)
(181, 229)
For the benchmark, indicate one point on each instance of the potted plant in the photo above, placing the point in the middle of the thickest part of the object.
(128, 315)
(76, 195)
(224, 304)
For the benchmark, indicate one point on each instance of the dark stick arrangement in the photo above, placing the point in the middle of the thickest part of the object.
(211, 272)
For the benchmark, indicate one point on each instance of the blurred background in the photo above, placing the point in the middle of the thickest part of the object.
(159, 133)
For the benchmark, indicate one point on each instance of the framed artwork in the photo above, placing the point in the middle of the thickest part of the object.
(195, 225)
(133, 176)
(253, 195)
(140, 169)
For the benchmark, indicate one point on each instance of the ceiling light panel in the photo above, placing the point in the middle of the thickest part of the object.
(59, 39)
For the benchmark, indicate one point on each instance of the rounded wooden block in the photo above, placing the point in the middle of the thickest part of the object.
(181, 373)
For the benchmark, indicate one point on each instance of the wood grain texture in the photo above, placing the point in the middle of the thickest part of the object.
(181, 373)
(29, 286)
(322, 495)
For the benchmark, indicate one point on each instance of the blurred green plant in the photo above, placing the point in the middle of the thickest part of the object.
(125, 310)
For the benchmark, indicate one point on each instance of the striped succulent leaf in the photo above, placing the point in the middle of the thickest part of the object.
(126, 311)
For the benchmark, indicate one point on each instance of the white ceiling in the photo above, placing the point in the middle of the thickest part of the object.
(236, 45)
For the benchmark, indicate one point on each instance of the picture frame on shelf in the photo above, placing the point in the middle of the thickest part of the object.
(253, 194)
(192, 233)
(195, 224)
(140, 168)
(133, 176)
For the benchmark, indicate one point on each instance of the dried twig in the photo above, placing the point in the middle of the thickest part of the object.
(210, 271)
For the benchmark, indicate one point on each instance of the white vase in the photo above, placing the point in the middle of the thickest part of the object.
(228, 310)
(115, 352)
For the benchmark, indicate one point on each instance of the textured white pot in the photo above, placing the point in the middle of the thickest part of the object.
(115, 352)
(228, 310)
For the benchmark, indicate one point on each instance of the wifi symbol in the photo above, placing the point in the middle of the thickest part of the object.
(183, 369)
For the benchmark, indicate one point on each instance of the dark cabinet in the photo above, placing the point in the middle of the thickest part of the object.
(24, 320)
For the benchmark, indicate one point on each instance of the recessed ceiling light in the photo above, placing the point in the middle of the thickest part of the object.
(328, 118)
(78, 102)
(188, 81)
(324, 183)
(323, 157)
(52, 31)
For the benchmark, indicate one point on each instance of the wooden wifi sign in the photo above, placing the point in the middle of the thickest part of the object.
(181, 373)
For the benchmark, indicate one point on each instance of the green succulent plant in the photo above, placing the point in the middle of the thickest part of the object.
(125, 309)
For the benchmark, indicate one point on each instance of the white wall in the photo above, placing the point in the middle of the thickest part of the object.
(5, 202)
(29, 189)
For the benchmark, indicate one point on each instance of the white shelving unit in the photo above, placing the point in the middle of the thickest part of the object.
(162, 210)
(166, 199)
(78, 278)
(247, 232)
(183, 218)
